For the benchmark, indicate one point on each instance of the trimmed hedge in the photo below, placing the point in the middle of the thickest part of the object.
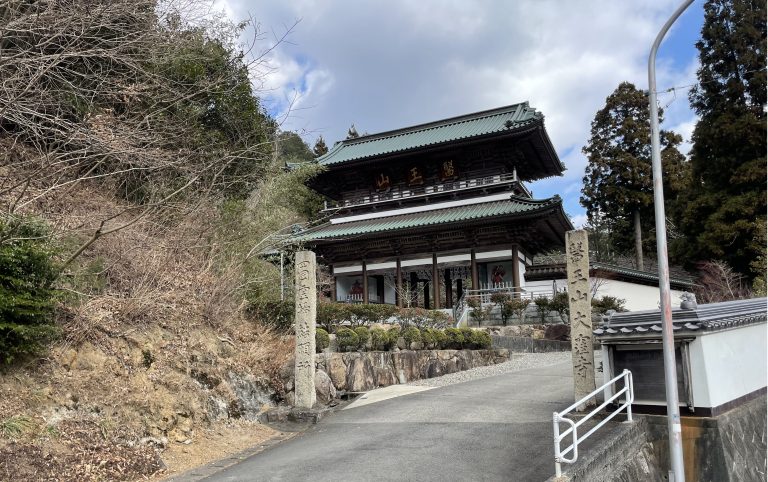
(347, 339)
(379, 339)
(363, 335)
(361, 314)
(411, 335)
(322, 340)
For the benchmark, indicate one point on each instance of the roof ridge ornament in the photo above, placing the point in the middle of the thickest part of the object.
(688, 301)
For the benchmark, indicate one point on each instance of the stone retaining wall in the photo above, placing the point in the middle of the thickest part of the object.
(359, 372)
(529, 345)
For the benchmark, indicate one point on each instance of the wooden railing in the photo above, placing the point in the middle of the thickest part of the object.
(414, 192)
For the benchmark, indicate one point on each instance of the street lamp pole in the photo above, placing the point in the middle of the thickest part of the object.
(668, 341)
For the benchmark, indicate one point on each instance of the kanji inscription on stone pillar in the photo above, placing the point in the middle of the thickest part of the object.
(582, 353)
(306, 313)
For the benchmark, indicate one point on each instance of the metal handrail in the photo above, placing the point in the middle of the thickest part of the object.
(557, 417)
(458, 308)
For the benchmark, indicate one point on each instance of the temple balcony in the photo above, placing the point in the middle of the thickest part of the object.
(399, 195)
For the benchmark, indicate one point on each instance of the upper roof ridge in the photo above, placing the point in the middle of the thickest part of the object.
(477, 124)
(440, 123)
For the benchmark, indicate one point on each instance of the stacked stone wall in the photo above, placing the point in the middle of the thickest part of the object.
(359, 372)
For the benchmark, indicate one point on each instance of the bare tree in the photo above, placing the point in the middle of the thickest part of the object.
(151, 101)
(718, 282)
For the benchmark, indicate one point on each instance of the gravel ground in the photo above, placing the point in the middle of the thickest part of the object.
(517, 362)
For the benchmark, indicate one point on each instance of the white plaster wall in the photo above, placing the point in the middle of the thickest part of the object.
(541, 286)
(728, 364)
(638, 297)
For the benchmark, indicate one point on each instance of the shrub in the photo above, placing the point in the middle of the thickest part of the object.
(379, 339)
(441, 339)
(422, 318)
(516, 308)
(466, 333)
(411, 335)
(428, 338)
(455, 338)
(601, 305)
(27, 271)
(322, 340)
(544, 305)
(347, 339)
(369, 313)
(560, 305)
(363, 335)
(393, 335)
(330, 314)
(481, 339)
(275, 313)
(480, 314)
(438, 319)
(407, 317)
(501, 299)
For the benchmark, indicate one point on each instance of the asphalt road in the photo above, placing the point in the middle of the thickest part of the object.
(495, 429)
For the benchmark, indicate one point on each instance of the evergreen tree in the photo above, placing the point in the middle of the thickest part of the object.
(618, 185)
(724, 217)
(320, 147)
(27, 271)
(292, 148)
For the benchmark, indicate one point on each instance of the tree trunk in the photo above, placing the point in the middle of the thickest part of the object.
(638, 241)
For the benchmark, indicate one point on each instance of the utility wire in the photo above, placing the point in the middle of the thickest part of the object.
(680, 87)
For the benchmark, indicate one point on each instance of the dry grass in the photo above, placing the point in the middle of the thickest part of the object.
(159, 303)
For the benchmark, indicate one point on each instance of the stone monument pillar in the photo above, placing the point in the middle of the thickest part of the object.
(306, 313)
(582, 353)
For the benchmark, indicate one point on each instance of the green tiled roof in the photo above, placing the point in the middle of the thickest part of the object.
(514, 205)
(456, 128)
(649, 275)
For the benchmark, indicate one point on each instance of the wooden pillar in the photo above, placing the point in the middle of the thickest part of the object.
(333, 289)
(448, 288)
(473, 268)
(459, 288)
(435, 281)
(398, 284)
(516, 270)
(365, 282)
(426, 295)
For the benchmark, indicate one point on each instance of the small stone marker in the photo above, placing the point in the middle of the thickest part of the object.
(582, 353)
(306, 313)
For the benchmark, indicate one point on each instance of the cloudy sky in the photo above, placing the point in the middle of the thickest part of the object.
(388, 64)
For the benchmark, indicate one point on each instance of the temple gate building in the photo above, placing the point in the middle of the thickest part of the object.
(422, 214)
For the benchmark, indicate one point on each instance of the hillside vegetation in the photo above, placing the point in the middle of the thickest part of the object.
(140, 179)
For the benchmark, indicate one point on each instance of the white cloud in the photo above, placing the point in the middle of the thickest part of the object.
(579, 220)
(384, 65)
